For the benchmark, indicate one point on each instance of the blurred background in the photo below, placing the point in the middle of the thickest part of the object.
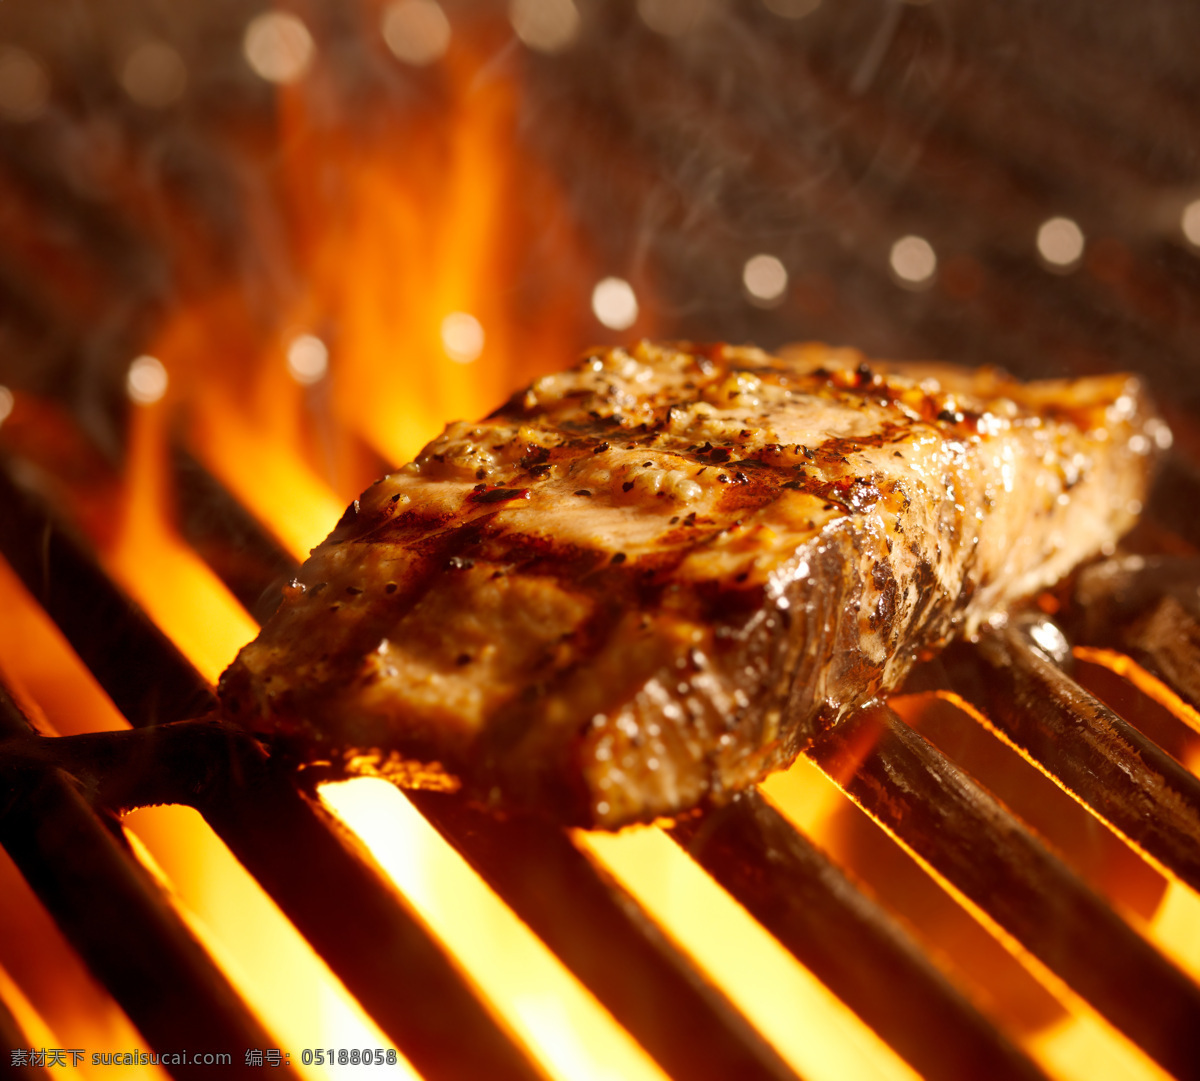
(342, 224)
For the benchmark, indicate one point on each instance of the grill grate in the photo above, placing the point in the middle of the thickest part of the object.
(402, 976)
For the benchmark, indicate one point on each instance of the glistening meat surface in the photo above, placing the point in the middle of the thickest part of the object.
(645, 582)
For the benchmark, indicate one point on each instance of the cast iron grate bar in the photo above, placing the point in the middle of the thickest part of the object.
(1149, 608)
(687, 1025)
(114, 915)
(364, 930)
(240, 550)
(809, 904)
(947, 820)
(1125, 778)
(148, 679)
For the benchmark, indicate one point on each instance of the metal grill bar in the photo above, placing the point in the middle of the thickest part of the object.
(1147, 607)
(1168, 643)
(947, 820)
(114, 916)
(147, 678)
(1125, 778)
(809, 904)
(609, 942)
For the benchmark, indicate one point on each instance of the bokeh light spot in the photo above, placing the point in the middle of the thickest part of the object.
(462, 337)
(278, 47)
(1189, 222)
(548, 26)
(307, 359)
(765, 279)
(146, 381)
(24, 85)
(913, 262)
(615, 303)
(417, 31)
(154, 75)
(1060, 243)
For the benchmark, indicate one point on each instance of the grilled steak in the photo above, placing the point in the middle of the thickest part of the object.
(647, 581)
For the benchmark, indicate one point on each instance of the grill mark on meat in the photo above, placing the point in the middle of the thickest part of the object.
(669, 639)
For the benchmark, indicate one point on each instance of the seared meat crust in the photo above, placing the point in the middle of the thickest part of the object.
(645, 582)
